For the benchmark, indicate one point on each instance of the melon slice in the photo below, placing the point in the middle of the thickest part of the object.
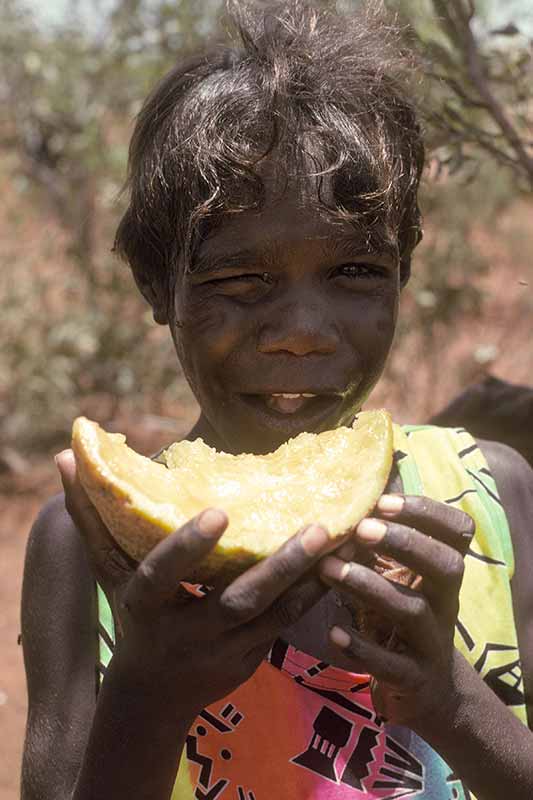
(333, 478)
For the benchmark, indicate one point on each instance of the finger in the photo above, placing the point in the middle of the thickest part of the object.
(352, 550)
(442, 521)
(395, 669)
(285, 611)
(259, 587)
(403, 606)
(440, 566)
(157, 578)
(104, 553)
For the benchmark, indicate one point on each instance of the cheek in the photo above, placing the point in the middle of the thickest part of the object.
(209, 326)
(198, 312)
(386, 322)
(374, 323)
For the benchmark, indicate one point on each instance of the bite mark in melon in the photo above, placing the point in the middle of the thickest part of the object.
(334, 478)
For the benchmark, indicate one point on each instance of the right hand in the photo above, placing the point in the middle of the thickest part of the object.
(196, 651)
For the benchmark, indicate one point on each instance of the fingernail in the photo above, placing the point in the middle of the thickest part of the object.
(314, 539)
(334, 568)
(391, 503)
(211, 522)
(371, 530)
(60, 461)
(340, 637)
(57, 457)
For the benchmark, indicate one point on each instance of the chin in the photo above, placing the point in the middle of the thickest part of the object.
(263, 439)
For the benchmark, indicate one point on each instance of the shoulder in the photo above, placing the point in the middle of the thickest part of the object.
(53, 536)
(56, 571)
(514, 479)
(58, 589)
(58, 640)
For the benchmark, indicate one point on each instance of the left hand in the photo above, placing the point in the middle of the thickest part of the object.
(412, 682)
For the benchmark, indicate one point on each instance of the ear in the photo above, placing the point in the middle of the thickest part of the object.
(154, 294)
(415, 236)
(405, 270)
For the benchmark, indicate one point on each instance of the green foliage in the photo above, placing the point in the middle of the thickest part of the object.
(478, 92)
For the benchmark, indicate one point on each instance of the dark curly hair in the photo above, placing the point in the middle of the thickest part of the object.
(323, 93)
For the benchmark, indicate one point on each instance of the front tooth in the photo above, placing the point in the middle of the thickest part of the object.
(293, 396)
(286, 404)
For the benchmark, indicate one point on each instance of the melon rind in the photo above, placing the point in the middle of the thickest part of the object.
(333, 478)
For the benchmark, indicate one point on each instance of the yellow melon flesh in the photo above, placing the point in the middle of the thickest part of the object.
(333, 478)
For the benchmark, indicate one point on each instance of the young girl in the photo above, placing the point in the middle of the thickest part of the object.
(271, 223)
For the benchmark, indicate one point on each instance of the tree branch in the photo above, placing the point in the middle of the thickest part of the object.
(478, 76)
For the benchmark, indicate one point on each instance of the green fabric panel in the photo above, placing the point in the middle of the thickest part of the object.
(105, 619)
(412, 483)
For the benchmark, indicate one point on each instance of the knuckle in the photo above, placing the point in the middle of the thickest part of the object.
(403, 538)
(468, 526)
(459, 521)
(418, 505)
(417, 608)
(237, 607)
(145, 575)
(286, 562)
(287, 610)
(454, 565)
(113, 561)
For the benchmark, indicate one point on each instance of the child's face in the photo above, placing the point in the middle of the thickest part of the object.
(283, 302)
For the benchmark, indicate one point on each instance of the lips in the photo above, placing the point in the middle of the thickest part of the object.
(286, 414)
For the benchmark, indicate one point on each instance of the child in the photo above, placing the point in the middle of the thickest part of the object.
(271, 223)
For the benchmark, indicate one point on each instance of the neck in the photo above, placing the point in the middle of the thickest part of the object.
(203, 429)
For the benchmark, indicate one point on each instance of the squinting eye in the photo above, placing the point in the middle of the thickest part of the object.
(246, 287)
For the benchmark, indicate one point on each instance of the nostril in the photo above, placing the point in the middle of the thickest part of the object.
(298, 342)
(300, 328)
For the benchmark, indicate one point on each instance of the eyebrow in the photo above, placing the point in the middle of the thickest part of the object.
(348, 245)
(345, 244)
(211, 262)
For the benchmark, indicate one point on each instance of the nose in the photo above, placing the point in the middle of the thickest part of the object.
(300, 329)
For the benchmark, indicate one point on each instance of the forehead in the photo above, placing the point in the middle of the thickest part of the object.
(294, 215)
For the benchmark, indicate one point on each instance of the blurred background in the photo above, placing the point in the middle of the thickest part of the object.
(78, 339)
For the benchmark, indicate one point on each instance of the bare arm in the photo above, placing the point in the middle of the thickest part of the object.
(59, 644)
(514, 479)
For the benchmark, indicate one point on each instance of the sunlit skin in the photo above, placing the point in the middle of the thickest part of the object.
(283, 301)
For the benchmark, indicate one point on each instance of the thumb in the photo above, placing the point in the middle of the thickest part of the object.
(109, 563)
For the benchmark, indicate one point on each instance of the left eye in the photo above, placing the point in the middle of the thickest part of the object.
(356, 271)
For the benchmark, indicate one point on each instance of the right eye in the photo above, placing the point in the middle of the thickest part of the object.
(247, 288)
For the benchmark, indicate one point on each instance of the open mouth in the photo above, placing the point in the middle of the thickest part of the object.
(290, 411)
(287, 403)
